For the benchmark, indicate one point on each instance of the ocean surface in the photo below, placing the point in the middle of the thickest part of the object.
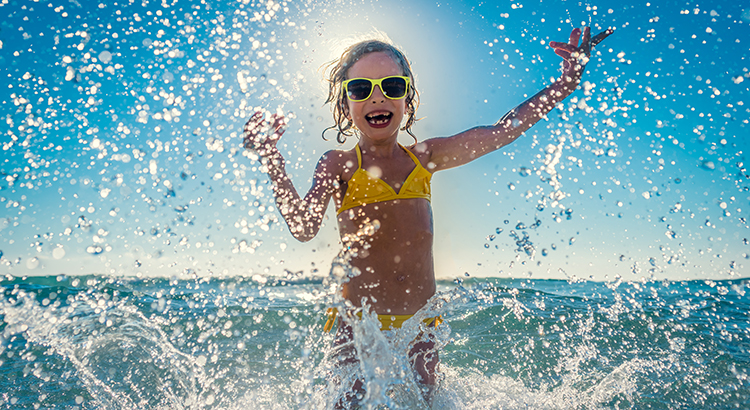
(100, 342)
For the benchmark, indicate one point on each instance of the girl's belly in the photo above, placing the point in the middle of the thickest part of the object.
(395, 261)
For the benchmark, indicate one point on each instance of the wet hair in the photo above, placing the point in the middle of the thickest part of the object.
(336, 73)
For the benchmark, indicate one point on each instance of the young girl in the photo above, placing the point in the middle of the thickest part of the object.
(381, 189)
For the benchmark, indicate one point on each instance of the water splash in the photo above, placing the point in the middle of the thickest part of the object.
(231, 343)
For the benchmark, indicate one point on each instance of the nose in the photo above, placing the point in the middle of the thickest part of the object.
(377, 94)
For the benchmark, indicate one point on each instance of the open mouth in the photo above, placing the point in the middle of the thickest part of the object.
(379, 119)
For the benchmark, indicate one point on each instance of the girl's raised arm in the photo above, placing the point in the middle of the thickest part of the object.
(303, 216)
(449, 152)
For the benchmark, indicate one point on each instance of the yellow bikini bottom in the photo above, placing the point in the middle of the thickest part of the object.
(387, 322)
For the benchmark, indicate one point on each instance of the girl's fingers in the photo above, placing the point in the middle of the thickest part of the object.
(601, 36)
(575, 36)
(563, 46)
(260, 132)
(254, 121)
(586, 42)
(576, 56)
(252, 128)
(256, 117)
(277, 119)
(562, 53)
(278, 124)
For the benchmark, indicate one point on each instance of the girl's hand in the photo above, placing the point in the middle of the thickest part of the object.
(262, 136)
(576, 56)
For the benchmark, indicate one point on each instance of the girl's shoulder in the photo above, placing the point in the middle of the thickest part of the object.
(341, 163)
(423, 151)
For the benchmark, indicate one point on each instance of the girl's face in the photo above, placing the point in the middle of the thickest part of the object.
(378, 118)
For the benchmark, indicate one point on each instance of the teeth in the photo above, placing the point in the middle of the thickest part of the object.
(379, 118)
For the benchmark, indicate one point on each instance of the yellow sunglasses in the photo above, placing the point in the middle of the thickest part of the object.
(360, 89)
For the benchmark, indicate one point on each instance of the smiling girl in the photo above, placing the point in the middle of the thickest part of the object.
(381, 189)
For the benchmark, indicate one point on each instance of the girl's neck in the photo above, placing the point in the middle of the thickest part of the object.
(383, 148)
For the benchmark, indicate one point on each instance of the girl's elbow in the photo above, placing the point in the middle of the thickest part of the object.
(304, 235)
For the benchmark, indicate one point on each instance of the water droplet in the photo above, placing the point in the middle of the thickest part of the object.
(58, 252)
(32, 263)
(708, 165)
(375, 171)
(105, 57)
(94, 249)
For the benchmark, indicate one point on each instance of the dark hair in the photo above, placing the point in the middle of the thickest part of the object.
(336, 75)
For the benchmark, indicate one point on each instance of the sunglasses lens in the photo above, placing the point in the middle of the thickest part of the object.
(358, 90)
(394, 87)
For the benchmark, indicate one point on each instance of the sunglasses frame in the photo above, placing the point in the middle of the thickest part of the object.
(375, 82)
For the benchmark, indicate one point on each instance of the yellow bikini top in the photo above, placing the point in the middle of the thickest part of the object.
(364, 188)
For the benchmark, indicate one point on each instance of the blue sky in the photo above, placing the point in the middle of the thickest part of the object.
(121, 149)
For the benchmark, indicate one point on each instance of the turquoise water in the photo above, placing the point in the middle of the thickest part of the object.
(101, 342)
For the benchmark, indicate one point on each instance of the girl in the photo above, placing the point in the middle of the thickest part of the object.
(381, 189)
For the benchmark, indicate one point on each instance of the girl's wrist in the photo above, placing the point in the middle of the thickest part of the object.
(567, 83)
(272, 160)
(269, 153)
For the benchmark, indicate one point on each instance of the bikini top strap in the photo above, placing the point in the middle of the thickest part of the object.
(411, 155)
(359, 157)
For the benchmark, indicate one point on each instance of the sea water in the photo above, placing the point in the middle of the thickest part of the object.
(237, 343)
